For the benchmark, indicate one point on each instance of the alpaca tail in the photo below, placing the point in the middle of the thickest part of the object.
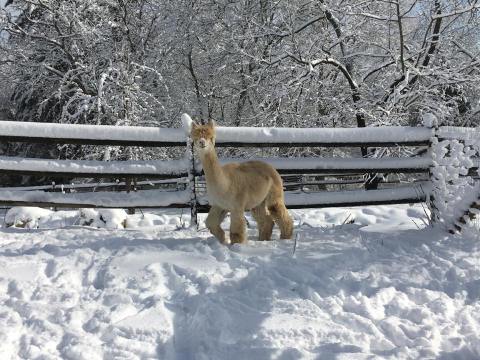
(282, 218)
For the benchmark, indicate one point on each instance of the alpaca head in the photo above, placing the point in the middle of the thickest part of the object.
(203, 136)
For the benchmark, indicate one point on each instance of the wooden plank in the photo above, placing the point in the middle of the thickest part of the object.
(159, 169)
(206, 208)
(89, 187)
(340, 172)
(320, 199)
(354, 171)
(138, 199)
(353, 143)
(79, 174)
(362, 203)
(74, 205)
(239, 144)
(340, 165)
(458, 133)
(52, 133)
(81, 141)
(167, 169)
(156, 199)
(323, 137)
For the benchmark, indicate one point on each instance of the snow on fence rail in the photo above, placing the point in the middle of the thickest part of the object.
(404, 194)
(324, 137)
(31, 132)
(176, 168)
(458, 133)
(140, 199)
(346, 165)
(92, 168)
(226, 136)
(238, 137)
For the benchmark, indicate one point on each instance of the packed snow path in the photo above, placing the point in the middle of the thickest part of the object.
(377, 289)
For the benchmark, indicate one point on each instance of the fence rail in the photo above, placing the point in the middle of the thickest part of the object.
(386, 136)
(49, 133)
(226, 137)
(89, 168)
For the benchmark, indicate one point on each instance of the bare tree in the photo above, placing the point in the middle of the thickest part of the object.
(243, 62)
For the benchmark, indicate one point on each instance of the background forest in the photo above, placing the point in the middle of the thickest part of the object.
(320, 63)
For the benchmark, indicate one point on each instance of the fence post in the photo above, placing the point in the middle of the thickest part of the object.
(190, 157)
(191, 181)
(431, 122)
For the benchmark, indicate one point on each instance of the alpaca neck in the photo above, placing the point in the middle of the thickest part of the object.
(214, 173)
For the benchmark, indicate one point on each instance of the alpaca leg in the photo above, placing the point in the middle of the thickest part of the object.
(264, 222)
(283, 219)
(237, 227)
(214, 219)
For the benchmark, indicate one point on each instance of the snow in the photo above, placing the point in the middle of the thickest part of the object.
(384, 134)
(453, 190)
(35, 218)
(429, 120)
(108, 218)
(319, 163)
(28, 217)
(379, 288)
(459, 133)
(411, 193)
(156, 198)
(179, 167)
(153, 167)
(187, 123)
(93, 185)
(417, 192)
(144, 198)
(92, 132)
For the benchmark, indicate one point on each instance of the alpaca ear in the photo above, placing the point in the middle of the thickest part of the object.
(212, 123)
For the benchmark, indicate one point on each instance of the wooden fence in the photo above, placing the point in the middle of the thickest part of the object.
(187, 174)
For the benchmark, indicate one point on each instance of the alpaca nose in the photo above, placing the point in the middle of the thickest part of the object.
(203, 142)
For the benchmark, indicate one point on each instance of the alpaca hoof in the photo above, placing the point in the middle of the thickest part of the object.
(237, 238)
(286, 236)
(288, 233)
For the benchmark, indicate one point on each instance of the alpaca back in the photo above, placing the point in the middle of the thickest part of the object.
(254, 181)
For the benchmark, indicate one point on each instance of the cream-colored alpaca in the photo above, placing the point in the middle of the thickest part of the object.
(236, 187)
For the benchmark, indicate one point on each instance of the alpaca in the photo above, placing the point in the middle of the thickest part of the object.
(237, 187)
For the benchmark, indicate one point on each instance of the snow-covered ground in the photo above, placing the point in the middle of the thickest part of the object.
(380, 288)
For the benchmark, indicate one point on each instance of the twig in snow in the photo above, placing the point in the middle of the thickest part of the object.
(295, 244)
(346, 219)
(418, 227)
(297, 235)
(429, 222)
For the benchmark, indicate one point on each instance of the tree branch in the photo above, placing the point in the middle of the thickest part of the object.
(400, 31)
